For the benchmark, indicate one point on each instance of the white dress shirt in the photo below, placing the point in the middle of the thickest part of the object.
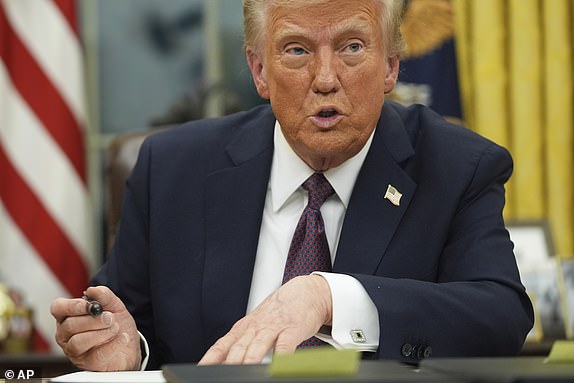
(353, 310)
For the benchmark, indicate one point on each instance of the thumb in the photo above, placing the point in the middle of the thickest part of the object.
(106, 297)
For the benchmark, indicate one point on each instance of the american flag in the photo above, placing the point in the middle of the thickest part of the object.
(393, 195)
(45, 233)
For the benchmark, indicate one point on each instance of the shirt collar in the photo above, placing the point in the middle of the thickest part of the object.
(288, 171)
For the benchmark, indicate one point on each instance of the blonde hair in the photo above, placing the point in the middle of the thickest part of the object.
(255, 12)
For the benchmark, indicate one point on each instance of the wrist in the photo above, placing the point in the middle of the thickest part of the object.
(326, 301)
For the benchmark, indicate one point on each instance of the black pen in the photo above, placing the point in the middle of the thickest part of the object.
(94, 307)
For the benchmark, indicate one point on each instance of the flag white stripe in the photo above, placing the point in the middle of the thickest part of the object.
(58, 52)
(44, 167)
(18, 259)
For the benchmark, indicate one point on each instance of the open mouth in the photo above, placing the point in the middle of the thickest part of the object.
(327, 118)
(327, 113)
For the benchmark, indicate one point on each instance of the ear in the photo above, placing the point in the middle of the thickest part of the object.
(255, 62)
(392, 73)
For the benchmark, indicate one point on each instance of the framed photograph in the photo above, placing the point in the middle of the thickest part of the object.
(539, 270)
(533, 243)
(567, 293)
(543, 287)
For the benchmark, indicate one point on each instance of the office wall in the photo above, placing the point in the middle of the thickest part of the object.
(150, 58)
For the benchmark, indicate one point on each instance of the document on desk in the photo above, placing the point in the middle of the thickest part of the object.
(111, 377)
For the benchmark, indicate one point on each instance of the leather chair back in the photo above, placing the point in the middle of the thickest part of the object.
(121, 157)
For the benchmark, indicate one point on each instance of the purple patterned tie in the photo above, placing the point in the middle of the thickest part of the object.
(309, 249)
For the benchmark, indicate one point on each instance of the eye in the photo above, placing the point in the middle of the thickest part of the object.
(294, 55)
(295, 51)
(354, 47)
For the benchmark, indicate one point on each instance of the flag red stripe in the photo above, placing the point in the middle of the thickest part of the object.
(42, 97)
(40, 229)
(68, 10)
(39, 342)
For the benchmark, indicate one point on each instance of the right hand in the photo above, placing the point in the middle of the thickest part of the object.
(108, 342)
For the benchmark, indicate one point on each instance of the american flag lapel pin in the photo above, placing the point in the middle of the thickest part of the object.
(393, 195)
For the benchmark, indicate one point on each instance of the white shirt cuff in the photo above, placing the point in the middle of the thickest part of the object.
(355, 323)
(146, 348)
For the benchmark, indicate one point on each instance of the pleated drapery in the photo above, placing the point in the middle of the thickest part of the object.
(515, 63)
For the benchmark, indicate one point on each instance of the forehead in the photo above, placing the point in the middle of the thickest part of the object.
(317, 16)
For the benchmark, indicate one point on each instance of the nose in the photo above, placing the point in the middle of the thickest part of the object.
(326, 78)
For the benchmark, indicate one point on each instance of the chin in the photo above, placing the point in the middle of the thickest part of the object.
(323, 159)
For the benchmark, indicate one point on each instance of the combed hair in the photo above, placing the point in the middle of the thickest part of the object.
(255, 12)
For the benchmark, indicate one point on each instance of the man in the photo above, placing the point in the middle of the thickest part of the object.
(204, 265)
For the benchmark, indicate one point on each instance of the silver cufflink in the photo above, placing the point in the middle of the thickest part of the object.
(358, 336)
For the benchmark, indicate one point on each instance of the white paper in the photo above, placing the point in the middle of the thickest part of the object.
(111, 377)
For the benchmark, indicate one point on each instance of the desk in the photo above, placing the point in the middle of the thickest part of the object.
(451, 370)
(501, 370)
(50, 365)
(475, 370)
(385, 371)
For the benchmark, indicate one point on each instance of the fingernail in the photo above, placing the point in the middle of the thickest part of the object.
(107, 318)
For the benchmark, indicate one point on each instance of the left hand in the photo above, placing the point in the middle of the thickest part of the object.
(293, 313)
(108, 342)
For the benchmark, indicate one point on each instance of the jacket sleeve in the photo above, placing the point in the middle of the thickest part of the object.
(476, 304)
(128, 275)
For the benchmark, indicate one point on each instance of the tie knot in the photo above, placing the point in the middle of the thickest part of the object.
(319, 190)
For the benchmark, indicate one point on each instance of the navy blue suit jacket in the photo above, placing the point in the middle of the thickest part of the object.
(440, 267)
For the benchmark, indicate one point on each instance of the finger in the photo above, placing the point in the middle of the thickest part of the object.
(106, 298)
(218, 352)
(75, 325)
(238, 349)
(110, 356)
(61, 308)
(286, 343)
(260, 346)
(83, 342)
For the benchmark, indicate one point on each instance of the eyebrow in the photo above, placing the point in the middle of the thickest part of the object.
(354, 26)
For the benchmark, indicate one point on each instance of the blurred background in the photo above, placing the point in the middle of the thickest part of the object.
(83, 81)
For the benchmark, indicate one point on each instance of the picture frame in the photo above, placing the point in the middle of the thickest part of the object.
(539, 269)
(566, 282)
(533, 242)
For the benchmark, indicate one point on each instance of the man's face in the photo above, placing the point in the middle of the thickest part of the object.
(325, 71)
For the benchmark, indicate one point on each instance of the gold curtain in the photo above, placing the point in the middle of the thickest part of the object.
(515, 62)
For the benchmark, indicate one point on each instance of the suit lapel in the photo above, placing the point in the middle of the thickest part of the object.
(371, 219)
(235, 198)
